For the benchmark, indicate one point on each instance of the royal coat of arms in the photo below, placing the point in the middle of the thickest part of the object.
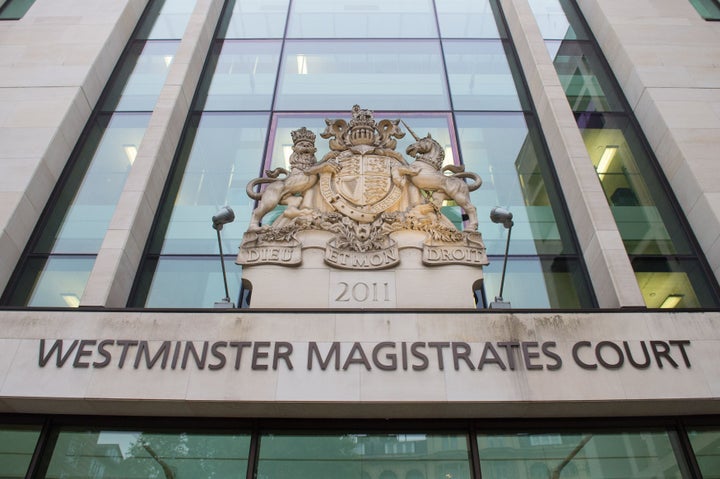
(362, 195)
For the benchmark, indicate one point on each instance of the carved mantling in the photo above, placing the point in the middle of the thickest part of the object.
(363, 194)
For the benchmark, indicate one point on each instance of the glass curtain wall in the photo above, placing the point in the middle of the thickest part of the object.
(444, 67)
(14, 9)
(68, 238)
(666, 261)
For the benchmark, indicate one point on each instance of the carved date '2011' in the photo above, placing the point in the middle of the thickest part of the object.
(362, 292)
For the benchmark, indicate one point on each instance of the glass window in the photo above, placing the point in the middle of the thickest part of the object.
(109, 454)
(17, 444)
(364, 456)
(552, 18)
(141, 76)
(14, 9)
(466, 19)
(366, 19)
(640, 455)
(166, 20)
(709, 9)
(480, 76)
(673, 283)
(705, 442)
(254, 19)
(400, 75)
(55, 281)
(240, 76)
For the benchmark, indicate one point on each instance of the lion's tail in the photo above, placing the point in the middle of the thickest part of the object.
(272, 177)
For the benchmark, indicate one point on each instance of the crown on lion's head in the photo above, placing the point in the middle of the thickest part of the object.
(302, 134)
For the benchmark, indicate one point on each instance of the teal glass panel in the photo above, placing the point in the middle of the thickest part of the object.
(505, 150)
(335, 75)
(364, 456)
(366, 19)
(466, 19)
(57, 281)
(14, 9)
(254, 19)
(220, 154)
(240, 76)
(556, 21)
(644, 215)
(137, 85)
(705, 442)
(166, 20)
(587, 454)
(187, 282)
(479, 75)
(583, 77)
(708, 9)
(112, 454)
(669, 283)
(86, 203)
(17, 444)
(557, 283)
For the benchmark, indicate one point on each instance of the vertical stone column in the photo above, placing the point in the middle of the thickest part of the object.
(117, 262)
(610, 270)
(665, 57)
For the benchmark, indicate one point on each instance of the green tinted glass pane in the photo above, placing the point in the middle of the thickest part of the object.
(673, 283)
(141, 77)
(221, 153)
(640, 455)
(335, 75)
(360, 456)
(87, 200)
(58, 281)
(516, 175)
(556, 20)
(706, 445)
(100, 454)
(166, 20)
(14, 9)
(241, 76)
(709, 9)
(254, 19)
(480, 76)
(17, 444)
(366, 19)
(587, 86)
(647, 221)
(466, 19)
(558, 283)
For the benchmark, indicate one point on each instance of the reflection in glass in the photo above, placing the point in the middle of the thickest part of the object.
(366, 19)
(479, 76)
(141, 76)
(221, 153)
(166, 20)
(552, 18)
(364, 456)
(96, 454)
(17, 444)
(705, 442)
(398, 75)
(240, 76)
(640, 455)
(254, 19)
(57, 281)
(466, 19)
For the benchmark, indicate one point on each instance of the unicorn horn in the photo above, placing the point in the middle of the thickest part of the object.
(410, 130)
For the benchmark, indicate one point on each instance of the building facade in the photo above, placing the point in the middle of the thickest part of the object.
(126, 125)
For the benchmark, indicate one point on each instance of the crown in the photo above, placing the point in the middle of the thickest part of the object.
(362, 127)
(302, 134)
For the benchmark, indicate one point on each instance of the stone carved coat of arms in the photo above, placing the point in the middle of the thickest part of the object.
(362, 196)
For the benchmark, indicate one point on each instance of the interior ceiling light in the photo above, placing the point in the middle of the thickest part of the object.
(302, 64)
(130, 152)
(71, 299)
(672, 301)
(606, 159)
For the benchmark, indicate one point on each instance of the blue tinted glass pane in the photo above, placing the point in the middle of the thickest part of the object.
(221, 154)
(141, 77)
(466, 19)
(502, 149)
(399, 75)
(189, 282)
(17, 444)
(366, 19)
(243, 76)
(167, 20)
(87, 201)
(255, 19)
(479, 76)
(556, 22)
(58, 281)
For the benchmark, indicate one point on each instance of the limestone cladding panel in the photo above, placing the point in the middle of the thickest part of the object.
(335, 364)
(665, 57)
(54, 63)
